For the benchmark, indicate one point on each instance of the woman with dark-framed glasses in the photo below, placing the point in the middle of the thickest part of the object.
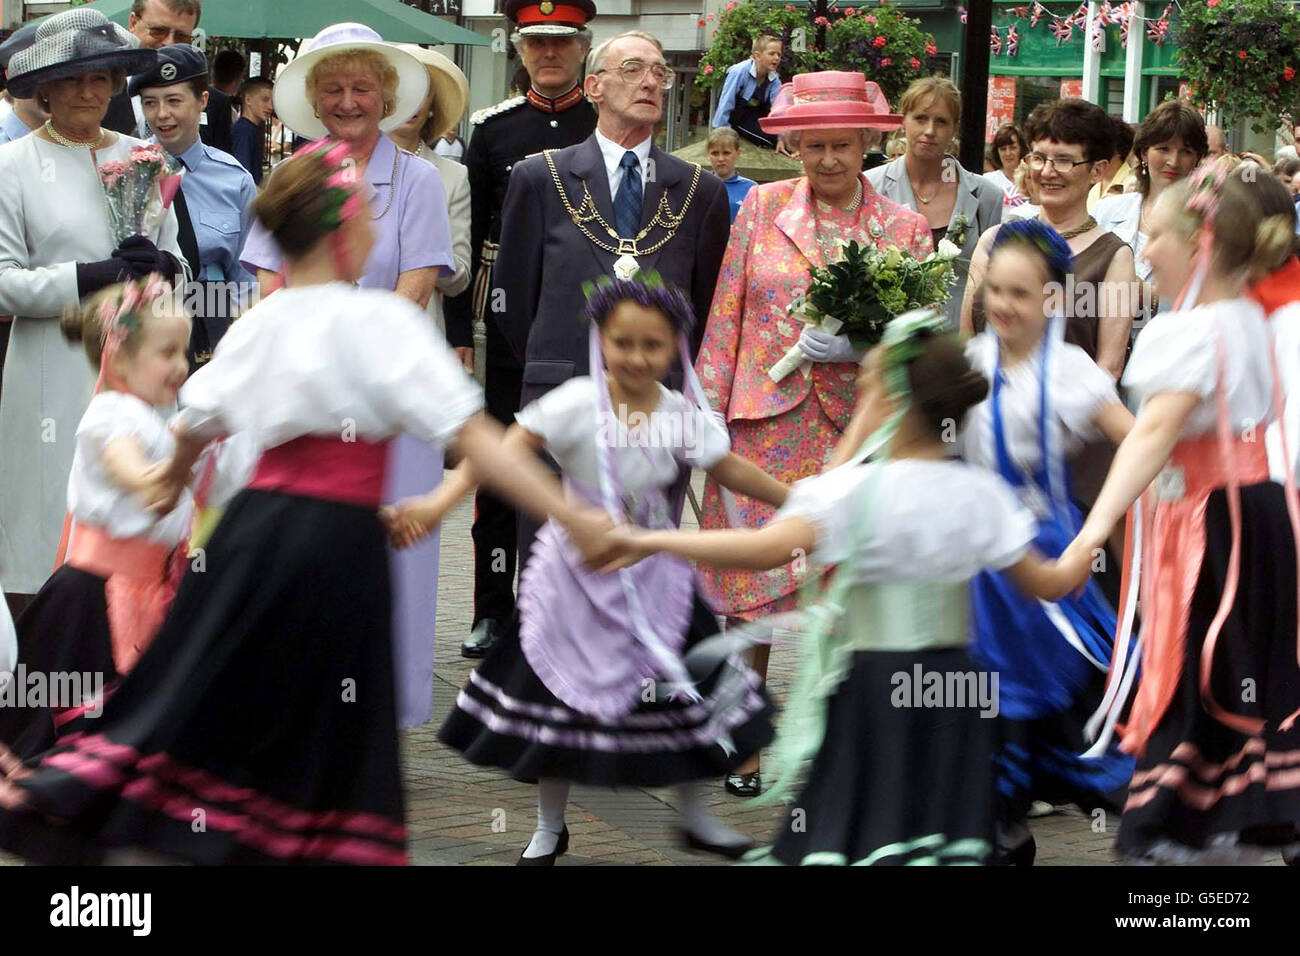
(1070, 145)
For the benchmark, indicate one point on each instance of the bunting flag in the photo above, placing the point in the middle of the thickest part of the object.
(1158, 31)
(1062, 30)
(1098, 38)
(1105, 14)
(1036, 14)
(1013, 40)
(961, 12)
(995, 42)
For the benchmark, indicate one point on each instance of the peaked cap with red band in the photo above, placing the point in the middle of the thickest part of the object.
(549, 17)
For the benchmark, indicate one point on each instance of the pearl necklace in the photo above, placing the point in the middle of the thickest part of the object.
(851, 207)
(72, 143)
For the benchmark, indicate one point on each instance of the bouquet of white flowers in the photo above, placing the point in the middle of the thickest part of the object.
(864, 290)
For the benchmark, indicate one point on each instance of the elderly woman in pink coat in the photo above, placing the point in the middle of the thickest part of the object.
(782, 231)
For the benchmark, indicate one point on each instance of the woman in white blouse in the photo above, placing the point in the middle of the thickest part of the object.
(1010, 148)
(1169, 145)
(56, 246)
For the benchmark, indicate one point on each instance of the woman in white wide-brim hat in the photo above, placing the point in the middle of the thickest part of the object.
(349, 84)
(57, 245)
(442, 109)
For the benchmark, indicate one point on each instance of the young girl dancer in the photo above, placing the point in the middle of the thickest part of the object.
(573, 693)
(1048, 398)
(1213, 721)
(899, 773)
(260, 725)
(100, 609)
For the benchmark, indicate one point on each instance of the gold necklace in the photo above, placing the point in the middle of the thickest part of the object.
(627, 249)
(1078, 230)
(62, 140)
(917, 193)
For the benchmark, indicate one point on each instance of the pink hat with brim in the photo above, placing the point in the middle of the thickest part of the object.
(830, 100)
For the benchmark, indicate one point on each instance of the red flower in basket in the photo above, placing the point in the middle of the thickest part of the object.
(1241, 54)
(931, 49)
(1288, 74)
(879, 42)
(885, 62)
(916, 64)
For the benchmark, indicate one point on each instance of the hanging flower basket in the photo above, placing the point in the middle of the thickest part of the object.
(1241, 55)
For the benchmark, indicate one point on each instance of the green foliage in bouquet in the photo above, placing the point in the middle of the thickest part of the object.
(868, 287)
(1242, 55)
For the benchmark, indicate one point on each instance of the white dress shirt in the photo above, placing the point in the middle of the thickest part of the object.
(613, 155)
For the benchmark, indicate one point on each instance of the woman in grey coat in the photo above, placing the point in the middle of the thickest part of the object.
(958, 204)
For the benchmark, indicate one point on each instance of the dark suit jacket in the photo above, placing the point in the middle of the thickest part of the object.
(544, 259)
(216, 131)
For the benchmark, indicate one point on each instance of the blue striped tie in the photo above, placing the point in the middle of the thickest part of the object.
(627, 204)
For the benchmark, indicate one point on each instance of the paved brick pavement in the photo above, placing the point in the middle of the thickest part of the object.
(461, 814)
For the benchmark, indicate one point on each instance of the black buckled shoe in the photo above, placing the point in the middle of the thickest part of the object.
(481, 639)
(745, 784)
(561, 847)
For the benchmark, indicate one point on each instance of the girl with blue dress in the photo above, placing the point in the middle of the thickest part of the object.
(1047, 399)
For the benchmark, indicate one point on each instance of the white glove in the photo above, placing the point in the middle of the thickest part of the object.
(821, 346)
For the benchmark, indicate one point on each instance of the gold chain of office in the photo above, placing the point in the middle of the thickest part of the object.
(663, 217)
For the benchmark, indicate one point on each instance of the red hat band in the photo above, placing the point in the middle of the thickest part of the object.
(546, 12)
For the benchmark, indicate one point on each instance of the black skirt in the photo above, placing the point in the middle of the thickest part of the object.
(505, 717)
(893, 784)
(260, 725)
(1201, 787)
(64, 645)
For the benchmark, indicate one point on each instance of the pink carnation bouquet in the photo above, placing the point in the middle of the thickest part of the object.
(138, 191)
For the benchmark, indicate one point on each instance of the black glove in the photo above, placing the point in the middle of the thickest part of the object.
(145, 258)
(93, 276)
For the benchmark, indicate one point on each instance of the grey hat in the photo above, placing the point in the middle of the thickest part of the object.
(74, 42)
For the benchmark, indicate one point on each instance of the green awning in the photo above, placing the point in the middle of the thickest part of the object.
(280, 20)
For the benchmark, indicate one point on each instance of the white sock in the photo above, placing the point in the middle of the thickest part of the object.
(702, 824)
(552, 795)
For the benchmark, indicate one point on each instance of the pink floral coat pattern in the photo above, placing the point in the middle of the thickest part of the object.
(772, 248)
(786, 429)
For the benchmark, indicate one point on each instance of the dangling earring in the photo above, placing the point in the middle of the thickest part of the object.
(316, 110)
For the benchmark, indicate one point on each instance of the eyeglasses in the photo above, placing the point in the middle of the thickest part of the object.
(1038, 161)
(634, 71)
(169, 34)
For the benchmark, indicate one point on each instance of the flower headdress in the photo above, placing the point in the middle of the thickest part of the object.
(1205, 186)
(646, 289)
(118, 317)
(344, 199)
(1042, 237)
